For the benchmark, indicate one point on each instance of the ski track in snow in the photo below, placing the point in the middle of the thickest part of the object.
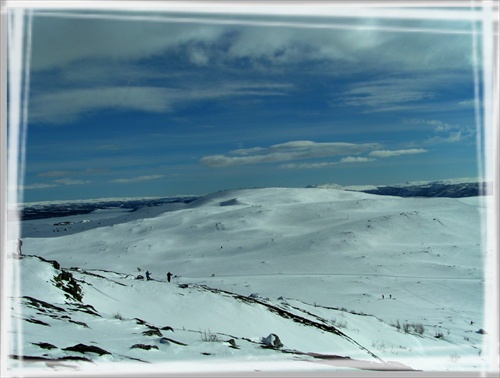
(341, 274)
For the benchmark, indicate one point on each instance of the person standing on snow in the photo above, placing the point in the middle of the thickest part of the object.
(19, 247)
(169, 275)
(148, 275)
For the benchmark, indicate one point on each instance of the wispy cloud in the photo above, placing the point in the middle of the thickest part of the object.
(67, 105)
(352, 159)
(68, 181)
(308, 165)
(387, 94)
(85, 50)
(54, 174)
(346, 160)
(89, 171)
(39, 186)
(389, 153)
(55, 183)
(74, 39)
(452, 137)
(445, 132)
(137, 179)
(400, 90)
(100, 39)
(294, 150)
(467, 103)
(436, 125)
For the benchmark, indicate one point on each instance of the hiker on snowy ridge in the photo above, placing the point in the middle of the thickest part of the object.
(148, 275)
(19, 248)
(169, 275)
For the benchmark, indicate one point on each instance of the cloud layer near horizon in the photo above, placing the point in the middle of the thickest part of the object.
(294, 150)
(137, 179)
(387, 153)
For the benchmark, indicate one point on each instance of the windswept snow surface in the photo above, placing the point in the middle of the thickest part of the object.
(330, 272)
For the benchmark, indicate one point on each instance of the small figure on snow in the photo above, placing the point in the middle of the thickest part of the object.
(169, 275)
(382, 296)
(148, 275)
(390, 296)
(19, 247)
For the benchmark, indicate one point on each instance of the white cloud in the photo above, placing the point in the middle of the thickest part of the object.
(438, 126)
(67, 105)
(225, 161)
(388, 94)
(199, 56)
(54, 173)
(453, 137)
(364, 41)
(402, 90)
(348, 159)
(311, 149)
(61, 41)
(294, 150)
(88, 171)
(389, 153)
(352, 159)
(308, 165)
(467, 103)
(55, 183)
(247, 151)
(38, 186)
(137, 179)
(68, 181)
(96, 50)
(446, 132)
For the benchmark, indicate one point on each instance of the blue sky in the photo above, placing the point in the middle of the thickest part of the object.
(131, 107)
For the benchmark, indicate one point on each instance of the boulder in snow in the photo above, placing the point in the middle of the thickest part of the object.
(272, 341)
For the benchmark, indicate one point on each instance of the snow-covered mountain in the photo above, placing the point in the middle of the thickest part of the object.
(40, 210)
(455, 188)
(264, 279)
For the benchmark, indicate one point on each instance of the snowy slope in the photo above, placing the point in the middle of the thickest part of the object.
(309, 265)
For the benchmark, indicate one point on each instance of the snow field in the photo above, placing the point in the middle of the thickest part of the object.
(330, 253)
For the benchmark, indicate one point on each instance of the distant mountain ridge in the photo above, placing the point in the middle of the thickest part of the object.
(66, 208)
(457, 188)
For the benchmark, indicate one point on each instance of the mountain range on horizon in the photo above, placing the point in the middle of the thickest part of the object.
(452, 188)
(455, 188)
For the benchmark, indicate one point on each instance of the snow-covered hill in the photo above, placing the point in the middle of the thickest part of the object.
(377, 281)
